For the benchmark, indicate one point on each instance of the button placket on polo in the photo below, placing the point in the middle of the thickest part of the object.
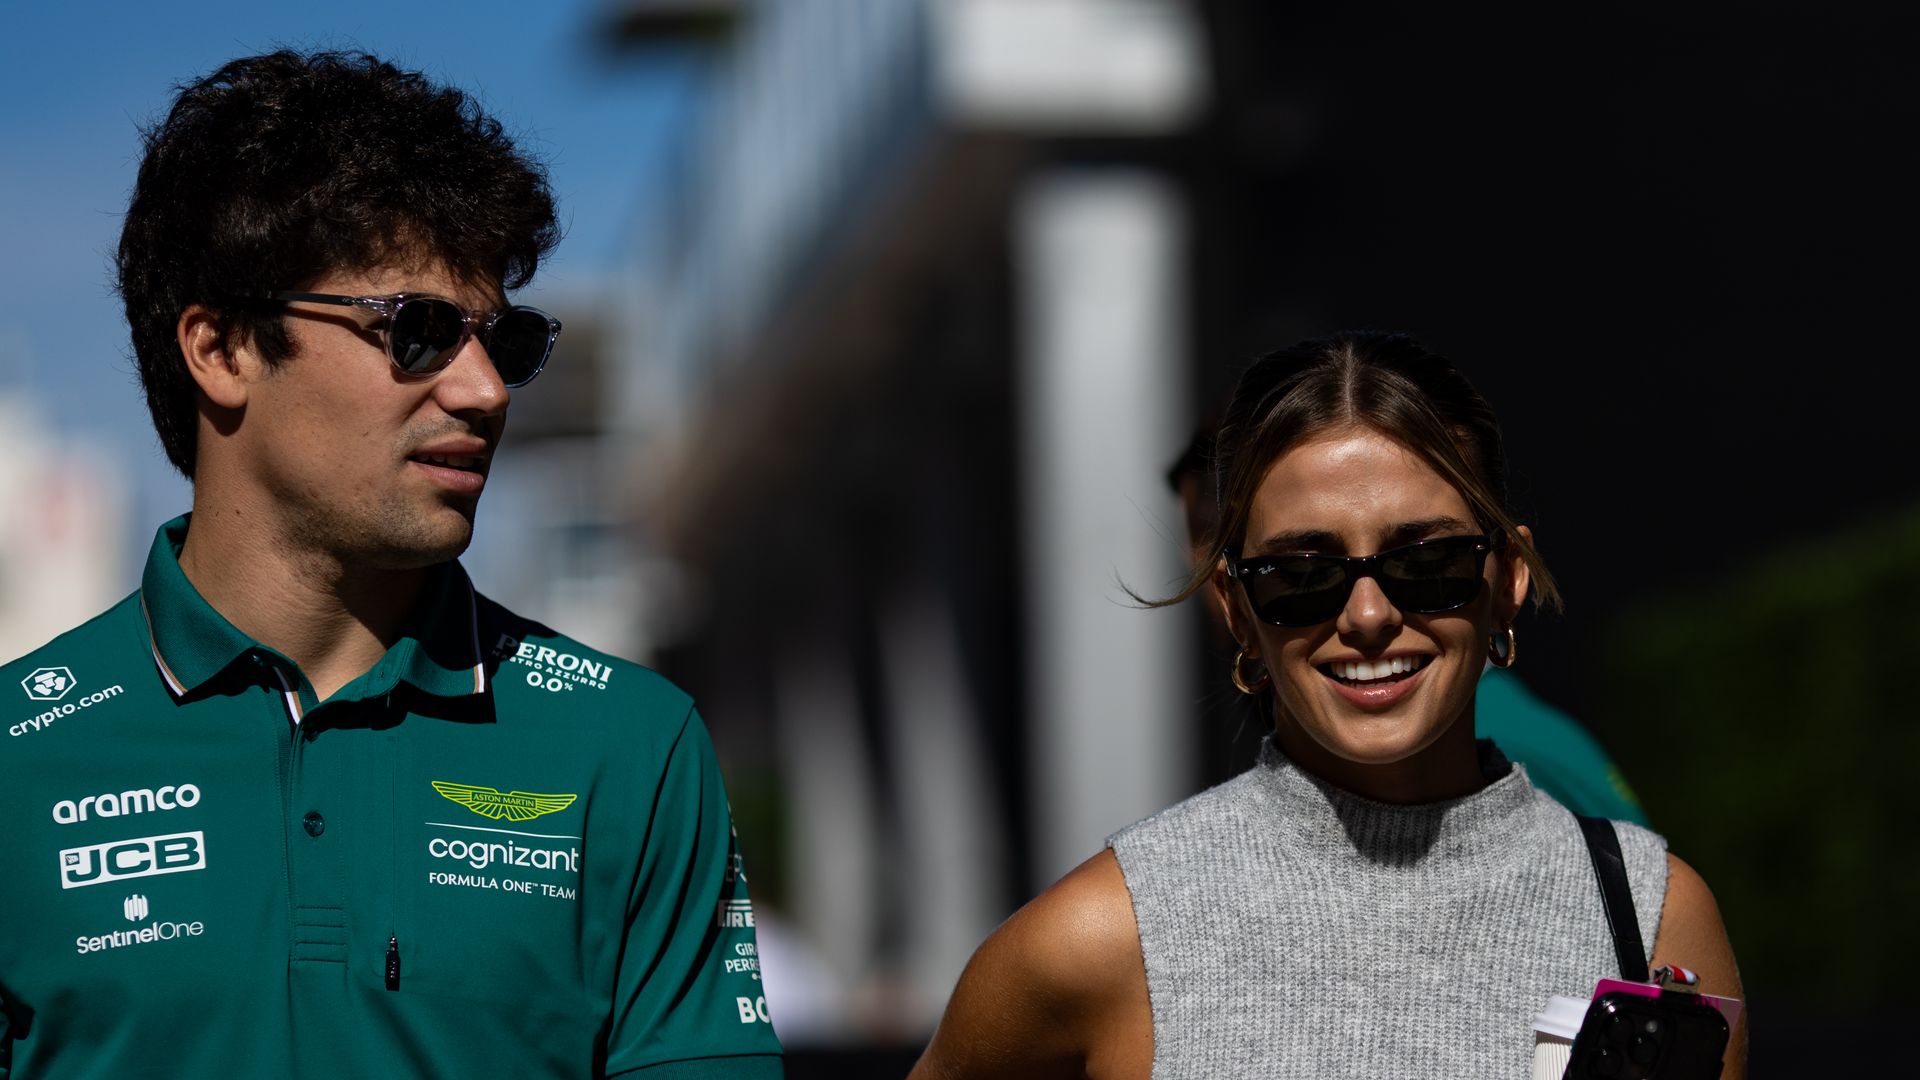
(314, 843)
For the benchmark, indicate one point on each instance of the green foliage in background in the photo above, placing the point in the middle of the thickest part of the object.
(1768, 722)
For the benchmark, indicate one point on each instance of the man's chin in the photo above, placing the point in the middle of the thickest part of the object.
(428, 543)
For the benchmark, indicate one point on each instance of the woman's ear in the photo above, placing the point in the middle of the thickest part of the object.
(1231, 599)
(221, 370)
(1516, 578)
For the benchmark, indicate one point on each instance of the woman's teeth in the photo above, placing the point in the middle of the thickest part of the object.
(1373, 670)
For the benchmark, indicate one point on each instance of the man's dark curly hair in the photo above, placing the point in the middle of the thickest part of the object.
(279, 169)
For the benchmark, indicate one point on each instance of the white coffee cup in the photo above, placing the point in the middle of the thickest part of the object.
(1553, 1032)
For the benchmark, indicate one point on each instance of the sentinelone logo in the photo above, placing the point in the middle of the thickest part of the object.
(47, 718)
(135, 909)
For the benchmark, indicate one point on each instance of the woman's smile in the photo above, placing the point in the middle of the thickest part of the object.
(1378, 684)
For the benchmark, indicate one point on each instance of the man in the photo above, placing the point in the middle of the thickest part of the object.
(304, 804)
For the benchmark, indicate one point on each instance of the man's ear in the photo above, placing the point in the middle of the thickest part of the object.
(221, 370)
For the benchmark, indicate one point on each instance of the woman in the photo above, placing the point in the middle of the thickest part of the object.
(1380, 896)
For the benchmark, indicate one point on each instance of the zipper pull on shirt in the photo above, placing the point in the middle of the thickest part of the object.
(393, 962)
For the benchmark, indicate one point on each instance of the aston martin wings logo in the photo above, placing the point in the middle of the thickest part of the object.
(512, 805)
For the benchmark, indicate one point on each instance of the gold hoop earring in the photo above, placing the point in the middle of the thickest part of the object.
(1503, 657)
(1240, 682)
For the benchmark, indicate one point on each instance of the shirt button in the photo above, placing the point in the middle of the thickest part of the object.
(315, 824)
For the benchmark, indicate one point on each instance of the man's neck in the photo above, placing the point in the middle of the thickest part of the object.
(332, 619)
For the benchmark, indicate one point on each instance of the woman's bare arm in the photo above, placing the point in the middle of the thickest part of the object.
(1692, 936)
(1059, 990)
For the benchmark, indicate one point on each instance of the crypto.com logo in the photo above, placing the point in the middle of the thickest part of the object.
(48, 683)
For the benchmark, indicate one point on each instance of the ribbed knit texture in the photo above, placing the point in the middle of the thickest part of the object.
(1292, 929)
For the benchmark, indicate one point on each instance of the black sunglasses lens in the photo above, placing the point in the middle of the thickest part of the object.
(425, 333)
(518, 343)
(1299, 591)
(1426, 578)
(1436, 576)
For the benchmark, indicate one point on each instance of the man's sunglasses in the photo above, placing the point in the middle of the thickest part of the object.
(423, 333)
(1427, 578)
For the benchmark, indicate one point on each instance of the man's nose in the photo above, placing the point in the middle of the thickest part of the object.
(471, 383)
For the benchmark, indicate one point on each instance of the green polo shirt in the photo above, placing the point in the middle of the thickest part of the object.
(1561, 758)
(498, 852)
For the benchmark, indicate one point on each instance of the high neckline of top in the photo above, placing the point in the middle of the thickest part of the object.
(1331, 826)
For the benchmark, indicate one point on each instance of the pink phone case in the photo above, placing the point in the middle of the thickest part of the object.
(1727, 1007)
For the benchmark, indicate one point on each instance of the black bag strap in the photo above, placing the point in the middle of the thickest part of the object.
(1603, 844)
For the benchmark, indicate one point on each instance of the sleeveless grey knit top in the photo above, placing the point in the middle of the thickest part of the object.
(1294, 929)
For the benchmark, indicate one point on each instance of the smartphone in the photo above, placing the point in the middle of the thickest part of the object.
(1636, 1031)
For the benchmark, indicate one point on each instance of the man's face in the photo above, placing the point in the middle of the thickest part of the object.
(359, 461)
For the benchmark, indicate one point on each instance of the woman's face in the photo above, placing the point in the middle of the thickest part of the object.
(1391, 735)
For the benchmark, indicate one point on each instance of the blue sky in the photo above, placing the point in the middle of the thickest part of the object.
(79, 79)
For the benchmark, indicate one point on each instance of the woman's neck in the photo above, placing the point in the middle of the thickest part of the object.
(1447, 768)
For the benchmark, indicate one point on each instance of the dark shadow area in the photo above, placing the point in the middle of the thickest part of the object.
(1669, 247)
(1766, 711)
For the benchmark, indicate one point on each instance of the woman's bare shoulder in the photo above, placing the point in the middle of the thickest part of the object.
(1058, 990)
(1692, 935)
(1081, 932)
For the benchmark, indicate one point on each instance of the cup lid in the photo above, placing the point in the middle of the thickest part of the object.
(1562, 1016)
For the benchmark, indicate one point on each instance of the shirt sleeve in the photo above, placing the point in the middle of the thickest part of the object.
(6, 1033)
(689, 1002)
(1562, 759)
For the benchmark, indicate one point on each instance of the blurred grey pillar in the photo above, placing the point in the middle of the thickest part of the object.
(950, 865)
(832, 835)
(1100, 267)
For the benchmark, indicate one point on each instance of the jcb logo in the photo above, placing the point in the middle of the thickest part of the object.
(143, 856)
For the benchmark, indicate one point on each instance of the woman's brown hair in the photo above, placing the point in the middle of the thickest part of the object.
(1381, 382)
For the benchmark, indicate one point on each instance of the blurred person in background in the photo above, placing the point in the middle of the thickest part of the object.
(1381, 895)
(1561, 757)
(305, 804)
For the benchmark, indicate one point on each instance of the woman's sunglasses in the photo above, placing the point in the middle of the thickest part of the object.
(1427, 578)
(423, 333)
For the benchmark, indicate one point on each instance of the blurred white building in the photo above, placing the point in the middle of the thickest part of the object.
(554, 536)
(63, 536)
(915, 370)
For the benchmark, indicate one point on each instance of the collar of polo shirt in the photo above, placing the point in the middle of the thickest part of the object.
(438, 651)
